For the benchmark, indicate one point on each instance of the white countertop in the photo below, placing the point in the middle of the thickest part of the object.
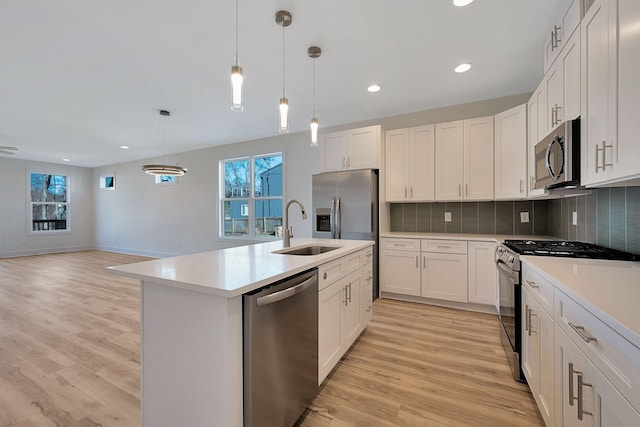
(235, 271)
(610, 290)
(498, 238)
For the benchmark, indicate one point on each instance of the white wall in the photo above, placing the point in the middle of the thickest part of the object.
(161, 220)
(15, 239)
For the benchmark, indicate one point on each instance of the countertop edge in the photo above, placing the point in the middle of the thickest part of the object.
(497, 238)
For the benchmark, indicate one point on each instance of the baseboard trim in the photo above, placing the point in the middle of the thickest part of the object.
(468, 306)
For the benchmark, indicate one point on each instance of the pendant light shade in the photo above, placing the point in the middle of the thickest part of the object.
(314, 52)
(236, 88)
(173, 170)
(236, 77)
(283, 18)
(284, 115)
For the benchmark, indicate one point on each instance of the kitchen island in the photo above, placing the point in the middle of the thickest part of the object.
(191, 326)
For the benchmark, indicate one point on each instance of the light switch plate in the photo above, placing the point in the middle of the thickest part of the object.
(574, 220)
(524, 217)
(447, 217)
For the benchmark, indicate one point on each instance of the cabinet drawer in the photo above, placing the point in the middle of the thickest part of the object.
(444, 246)
(400, 244)
(617, 358)
(337, 269)
(540, 288)
(368, 254)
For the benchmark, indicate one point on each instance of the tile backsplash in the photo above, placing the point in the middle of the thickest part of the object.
(471, 217)
(608, 217)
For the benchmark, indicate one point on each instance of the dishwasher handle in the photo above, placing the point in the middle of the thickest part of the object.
(286, 293)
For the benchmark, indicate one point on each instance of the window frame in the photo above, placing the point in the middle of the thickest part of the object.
(250, 199)
(30, 204)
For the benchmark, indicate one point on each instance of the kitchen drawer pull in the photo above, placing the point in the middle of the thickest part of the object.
(572, 398)
(405, 191)
(349, 286)
(345, 296)
(598, 149)
(529, 314)
(581, 410)
(534, 285)
(369, 254)
(580, 331)
(526, 318)
(604, 155)
(443, 247)
(417, 265)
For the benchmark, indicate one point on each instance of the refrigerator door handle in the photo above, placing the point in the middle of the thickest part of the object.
(332, 217)
(338, 219)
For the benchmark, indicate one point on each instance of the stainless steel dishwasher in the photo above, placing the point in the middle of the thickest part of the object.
(280, 323)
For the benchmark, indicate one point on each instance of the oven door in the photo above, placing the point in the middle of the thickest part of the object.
(510, 301)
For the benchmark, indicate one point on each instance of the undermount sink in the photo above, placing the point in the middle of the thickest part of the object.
(306, 250)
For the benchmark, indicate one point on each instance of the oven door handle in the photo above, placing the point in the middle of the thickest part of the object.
(509, 272)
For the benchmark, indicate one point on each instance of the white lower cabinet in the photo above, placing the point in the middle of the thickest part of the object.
(344, 307)
(444, 276)
(400, 266)
(538, 355)
(482, 272)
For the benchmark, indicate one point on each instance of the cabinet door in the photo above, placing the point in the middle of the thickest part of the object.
(482, 272)
(397, 165)
(367, 294)
(543, 327)
(363, 148)
(352, 310)
(628, 150)
(608, 406)
(478, 159)
(570, 58)
(421, 163)
(333, 152)
(533, 138)
(569, 363)
(330, 302)
(511, 153)
(449, 161)
(530, 350)
(555, 93)
(444, 276)
(599, 94)
(400, 272)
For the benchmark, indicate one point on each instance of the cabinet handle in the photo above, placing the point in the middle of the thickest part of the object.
(369, 277)
(553, 117)
(324, 276)
(349, 297)
(558, 109)
(604, 155)
(534, 285)
(412, 191)
(348, 162)
(532, 183)
(553, 38)
(572, 398)
(556, 30)
(526, 318)
(345, 296)
(443, 247)
(417, 265)
(424, 262)
(522, 185)
(369, 254)
(344, 162)
(580, 331)
(529, 314)
(581, 410)
(598, 149)
(466, 189)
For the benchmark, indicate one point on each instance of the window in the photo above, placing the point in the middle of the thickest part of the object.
(251, 202)
(49, 202)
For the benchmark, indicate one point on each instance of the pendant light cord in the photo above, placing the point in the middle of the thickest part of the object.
(236, 32)
(283, 50)
(314, 87)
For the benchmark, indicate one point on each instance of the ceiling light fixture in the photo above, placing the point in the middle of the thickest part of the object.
(124, 147)
(314, 52)
(9, 151)
(236, 77)
(462, 68)
(461, 3)
(283, 18)
(374, 88)
(164, 169)
(66, 160)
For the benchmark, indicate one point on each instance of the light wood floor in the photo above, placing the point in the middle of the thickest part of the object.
(69, 356)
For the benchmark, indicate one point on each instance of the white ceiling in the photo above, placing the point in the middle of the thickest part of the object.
(79, 78)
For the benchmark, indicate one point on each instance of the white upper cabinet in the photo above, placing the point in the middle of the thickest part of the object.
(511, 153)
(464, 160)
(449, 160)
(560, 32)
(610, 91)
(352, 149)
(409, 160)
(535, 120)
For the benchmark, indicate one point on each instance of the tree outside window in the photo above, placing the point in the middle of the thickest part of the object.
(252, 196)
(49, 202)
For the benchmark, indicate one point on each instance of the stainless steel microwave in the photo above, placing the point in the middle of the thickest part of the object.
(558, 157)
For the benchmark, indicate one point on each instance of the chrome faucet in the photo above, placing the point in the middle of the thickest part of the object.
(288, 231)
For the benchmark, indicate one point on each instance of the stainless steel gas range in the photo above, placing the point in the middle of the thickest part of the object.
(509, 283)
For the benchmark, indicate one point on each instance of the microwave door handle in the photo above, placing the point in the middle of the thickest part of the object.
(548, 161)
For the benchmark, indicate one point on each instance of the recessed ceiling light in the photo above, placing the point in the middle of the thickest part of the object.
(461, 3)
(124, 147)
(66, 160)
(462, 68)
(374, 88)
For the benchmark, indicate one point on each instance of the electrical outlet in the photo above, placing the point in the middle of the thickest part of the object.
(447, 217)
(524, 217)
(574, 219)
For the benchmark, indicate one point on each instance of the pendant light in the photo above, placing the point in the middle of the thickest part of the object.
(314, 52)
(164, 169)
(236, 77)
(283, 18)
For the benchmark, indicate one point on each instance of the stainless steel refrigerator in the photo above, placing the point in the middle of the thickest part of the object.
(345, 206)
